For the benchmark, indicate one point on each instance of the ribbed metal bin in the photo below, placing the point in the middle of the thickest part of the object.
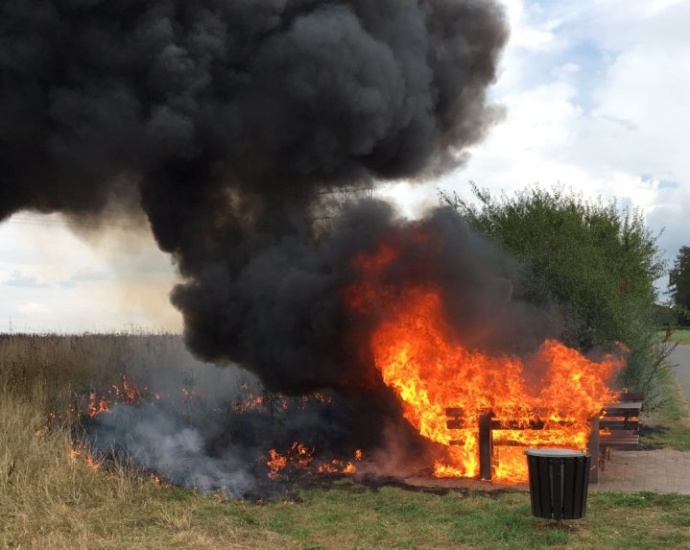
(558, 481)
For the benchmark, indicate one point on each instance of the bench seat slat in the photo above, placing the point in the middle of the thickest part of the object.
(621, 440)
(617, 426)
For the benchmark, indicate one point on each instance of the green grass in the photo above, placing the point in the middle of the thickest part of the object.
(669, 425)
(126, 513)
(51, 501)
(680, 336)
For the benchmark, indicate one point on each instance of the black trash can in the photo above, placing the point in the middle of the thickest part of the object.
(558, 481)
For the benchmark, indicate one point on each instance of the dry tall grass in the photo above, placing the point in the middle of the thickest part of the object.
(51, 499)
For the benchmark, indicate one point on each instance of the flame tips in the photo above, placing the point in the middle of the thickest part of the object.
(125, 392)
(81, 452)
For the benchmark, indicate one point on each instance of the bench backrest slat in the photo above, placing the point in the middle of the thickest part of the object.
(632, 396)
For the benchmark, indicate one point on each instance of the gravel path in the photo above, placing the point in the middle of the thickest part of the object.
(680, 358)
(664, 470)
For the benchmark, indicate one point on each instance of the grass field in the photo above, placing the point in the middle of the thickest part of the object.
(681, 336)
(49, 499)
(669, 426)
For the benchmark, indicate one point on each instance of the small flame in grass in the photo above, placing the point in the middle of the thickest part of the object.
(158, 480)
(97, 405)
(316, 397)
(189, 393)
(40, 432)
(275, 463)
(298, 456)
(45, 428)
(81, 452)
(125, 392)
(337, 467)
(333, 467)
(250, 402)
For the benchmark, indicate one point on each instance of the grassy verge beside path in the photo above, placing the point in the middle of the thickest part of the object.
(669, 425)
(680, 336)
(120, 511)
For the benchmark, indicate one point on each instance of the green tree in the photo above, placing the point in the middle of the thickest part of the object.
(597, 263)
(679, 285)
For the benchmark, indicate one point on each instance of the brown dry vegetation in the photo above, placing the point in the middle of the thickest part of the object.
(50, 500)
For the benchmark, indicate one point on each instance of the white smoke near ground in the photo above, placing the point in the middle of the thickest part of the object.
(159, 441)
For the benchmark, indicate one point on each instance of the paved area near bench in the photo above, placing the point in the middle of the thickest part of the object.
(661, 471)
(680, 359)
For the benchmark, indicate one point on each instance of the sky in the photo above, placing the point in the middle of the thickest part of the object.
(596, 98)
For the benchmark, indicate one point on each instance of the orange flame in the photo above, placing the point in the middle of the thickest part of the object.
(421, 358)
(81, 452)
(349, 468)
(248, 403)
(298, 456)
(276, 463)
(97, 405)
(126, 392)
(335, 466)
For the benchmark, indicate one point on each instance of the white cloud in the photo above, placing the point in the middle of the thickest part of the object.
(56, 281)
(34, 307)
(601, 108)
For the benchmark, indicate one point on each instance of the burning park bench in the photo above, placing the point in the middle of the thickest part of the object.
(502, 441)
(616, 427)
(500, 403)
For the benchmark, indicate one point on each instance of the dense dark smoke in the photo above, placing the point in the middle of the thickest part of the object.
(225, 121)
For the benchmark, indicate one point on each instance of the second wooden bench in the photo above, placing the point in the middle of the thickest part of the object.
(619, 425)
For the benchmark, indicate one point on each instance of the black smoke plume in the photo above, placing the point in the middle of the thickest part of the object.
(227, 122)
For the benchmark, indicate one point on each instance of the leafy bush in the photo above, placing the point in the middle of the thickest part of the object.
(596, 262)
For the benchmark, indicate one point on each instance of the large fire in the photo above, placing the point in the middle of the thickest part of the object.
(419, 356)
(457, 396)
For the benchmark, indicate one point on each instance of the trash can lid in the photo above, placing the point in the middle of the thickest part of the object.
(556, 453)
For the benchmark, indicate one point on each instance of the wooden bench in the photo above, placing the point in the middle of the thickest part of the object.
(619, 425)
